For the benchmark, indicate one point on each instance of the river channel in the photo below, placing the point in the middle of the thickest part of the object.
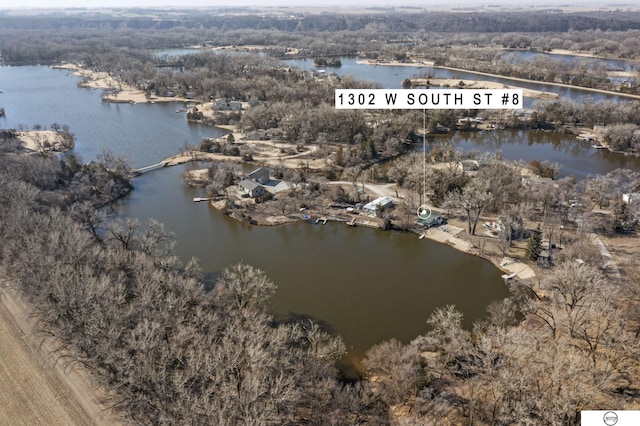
(365, 285)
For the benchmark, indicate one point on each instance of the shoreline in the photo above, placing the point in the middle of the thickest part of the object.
(480, 84)
(45, 141)
(522, 80)
(433, 234)
(122, 93)
(447, 234)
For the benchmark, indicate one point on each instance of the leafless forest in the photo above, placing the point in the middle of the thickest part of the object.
(121, 304)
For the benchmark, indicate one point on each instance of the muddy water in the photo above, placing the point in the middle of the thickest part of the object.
(365, 285)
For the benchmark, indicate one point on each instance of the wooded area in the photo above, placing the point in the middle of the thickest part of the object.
(119, 302)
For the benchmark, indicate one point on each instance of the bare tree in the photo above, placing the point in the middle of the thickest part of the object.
(472, 200)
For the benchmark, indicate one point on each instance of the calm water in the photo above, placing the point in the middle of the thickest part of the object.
(365, 285)
(391, 77)
(142, 133)
(576, 158)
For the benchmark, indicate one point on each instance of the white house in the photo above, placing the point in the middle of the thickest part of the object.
(378, 205)
(251, 188)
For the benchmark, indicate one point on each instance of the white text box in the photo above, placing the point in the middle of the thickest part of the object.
(610, 417)
(429, 98)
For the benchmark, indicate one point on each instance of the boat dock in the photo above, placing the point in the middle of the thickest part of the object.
(199, 199)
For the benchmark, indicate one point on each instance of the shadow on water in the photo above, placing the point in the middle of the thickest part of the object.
(575, 158)
(349, 367)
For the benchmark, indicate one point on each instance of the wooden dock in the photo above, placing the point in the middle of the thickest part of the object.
(199, 199)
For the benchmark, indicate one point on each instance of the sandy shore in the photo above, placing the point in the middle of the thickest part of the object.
(482, 84)
(123, 93)
(42, 141)
(413, 63)
(449, 234)
(267, 153)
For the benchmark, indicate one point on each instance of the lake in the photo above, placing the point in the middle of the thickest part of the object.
(363, 284)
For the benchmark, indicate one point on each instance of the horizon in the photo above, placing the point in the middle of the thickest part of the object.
(160, 4)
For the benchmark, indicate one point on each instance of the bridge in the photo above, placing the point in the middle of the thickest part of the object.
(149, 168)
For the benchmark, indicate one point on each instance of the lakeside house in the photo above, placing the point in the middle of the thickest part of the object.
(377, 206)
(225, 104)
(260, 175)
(251, 188)
(529, 179)
(252, 185)
(433, 220)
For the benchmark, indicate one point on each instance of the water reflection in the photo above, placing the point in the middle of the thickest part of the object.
(575, 157)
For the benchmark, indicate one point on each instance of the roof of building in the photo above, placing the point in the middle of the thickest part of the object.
(434, 217)
(249, 185)
(380, 201)
(260, 171)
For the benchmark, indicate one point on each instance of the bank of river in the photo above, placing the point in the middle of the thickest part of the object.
(392, 76)
(366, 285)
(574, 157)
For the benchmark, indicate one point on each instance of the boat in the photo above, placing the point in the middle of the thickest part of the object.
(598, 146)
(422, 236)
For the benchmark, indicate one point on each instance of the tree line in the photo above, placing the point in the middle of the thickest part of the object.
(453, 22)
(117, 301)
(46, 39)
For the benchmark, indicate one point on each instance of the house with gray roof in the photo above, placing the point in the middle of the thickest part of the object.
(260, 175)
(250, 188)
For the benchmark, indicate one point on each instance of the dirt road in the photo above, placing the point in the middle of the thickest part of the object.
(34, 390)
(379, 190)
(30, 393)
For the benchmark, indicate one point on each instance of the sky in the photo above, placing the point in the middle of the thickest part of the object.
(22, 4)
